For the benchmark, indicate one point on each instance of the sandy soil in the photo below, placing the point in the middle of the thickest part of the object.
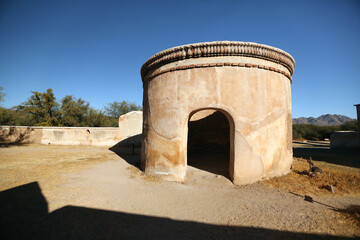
(95, 193)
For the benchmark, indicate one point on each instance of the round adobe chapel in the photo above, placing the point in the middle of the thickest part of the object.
(218, 96)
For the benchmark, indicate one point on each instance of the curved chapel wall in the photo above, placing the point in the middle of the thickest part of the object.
(254, 91)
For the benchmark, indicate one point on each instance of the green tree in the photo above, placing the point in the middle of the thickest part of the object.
(314, 132)
(94, 118)
(11, 116)
(116, 109)
(74, 111)
(349, 126)
(15, 118)
(43, 108)
(5, 115)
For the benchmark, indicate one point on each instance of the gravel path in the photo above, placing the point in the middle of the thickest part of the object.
(209, 198)
(115, 200)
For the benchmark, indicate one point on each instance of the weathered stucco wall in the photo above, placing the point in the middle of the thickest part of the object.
(21, 134)
(80, 136)
(130, 127)
(249, 83)
(61, 135)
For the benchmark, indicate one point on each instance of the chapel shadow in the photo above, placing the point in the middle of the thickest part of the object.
(20, 209)
(129, 149)
(24, 215)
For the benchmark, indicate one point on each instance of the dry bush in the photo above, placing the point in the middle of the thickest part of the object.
(346, 180)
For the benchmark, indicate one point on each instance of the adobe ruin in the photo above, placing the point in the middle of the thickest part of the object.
(247, 84)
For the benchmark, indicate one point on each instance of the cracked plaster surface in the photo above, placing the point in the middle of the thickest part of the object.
(257, 101)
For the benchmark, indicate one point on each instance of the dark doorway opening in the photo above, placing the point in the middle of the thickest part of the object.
(209, 142)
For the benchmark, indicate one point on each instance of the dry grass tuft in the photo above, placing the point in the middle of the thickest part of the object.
(24, 164)
(346, 180)
(136, 172)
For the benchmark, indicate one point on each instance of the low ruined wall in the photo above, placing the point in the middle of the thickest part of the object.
(61, 135)
(130, 129)
(344, 139)
(128, 133)
(80, 136)
(21, 134)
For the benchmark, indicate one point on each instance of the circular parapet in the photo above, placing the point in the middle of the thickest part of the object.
(219, 49)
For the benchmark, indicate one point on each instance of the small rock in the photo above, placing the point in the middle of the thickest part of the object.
(218, 176)
(331, 188)
(308, 198)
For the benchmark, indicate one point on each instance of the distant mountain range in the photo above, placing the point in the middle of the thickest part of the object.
(323, 120)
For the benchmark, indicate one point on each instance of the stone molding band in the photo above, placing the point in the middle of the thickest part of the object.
(218, 49)
(226, 64)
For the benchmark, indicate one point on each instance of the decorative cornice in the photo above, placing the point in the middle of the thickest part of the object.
(217, 49)
(220, 64)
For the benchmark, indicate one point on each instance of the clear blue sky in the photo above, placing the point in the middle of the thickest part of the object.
(94, 49)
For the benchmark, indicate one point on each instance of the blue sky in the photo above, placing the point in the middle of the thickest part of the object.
(94, 49)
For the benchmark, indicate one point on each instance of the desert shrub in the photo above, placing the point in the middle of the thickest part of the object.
(314, 132)
(42, 109)
(349, 126)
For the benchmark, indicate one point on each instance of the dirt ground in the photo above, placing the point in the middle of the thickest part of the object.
(83, 192)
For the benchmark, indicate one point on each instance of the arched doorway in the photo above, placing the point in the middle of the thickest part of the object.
(210, 142)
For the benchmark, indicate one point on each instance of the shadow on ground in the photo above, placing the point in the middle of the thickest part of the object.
(4, 144)
(214, 162)
(309, 143)
(24, 215)
(129, 149)
(321, 152)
